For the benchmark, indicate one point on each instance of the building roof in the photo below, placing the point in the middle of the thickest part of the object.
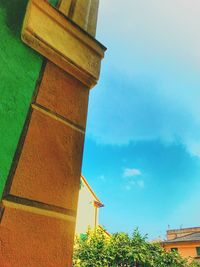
(105, 231)
(193, 237)
(184, 230)
(97, 201)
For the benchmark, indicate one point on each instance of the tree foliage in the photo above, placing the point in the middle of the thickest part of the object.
(95, 249)
(91, 250)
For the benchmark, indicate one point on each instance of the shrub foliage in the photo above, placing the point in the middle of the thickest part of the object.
(95, 249)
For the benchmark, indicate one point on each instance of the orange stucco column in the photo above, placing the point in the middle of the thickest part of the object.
(40, 199)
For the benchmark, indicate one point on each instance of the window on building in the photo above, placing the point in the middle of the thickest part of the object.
(174, 249)
(198, 251)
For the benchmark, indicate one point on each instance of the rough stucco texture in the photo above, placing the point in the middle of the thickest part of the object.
(19, 70)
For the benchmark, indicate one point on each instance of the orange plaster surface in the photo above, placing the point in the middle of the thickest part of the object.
(185, 249)
(38, 223)
(45, 242)
(62, 94)
(40, 201)
(50, 162)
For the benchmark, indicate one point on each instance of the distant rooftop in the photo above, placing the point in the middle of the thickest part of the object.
(184, 230)
(194, 237)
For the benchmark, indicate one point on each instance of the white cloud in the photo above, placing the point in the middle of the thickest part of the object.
(131, 172)
(131, 175)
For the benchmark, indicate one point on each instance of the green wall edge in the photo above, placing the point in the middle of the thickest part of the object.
(19, 70)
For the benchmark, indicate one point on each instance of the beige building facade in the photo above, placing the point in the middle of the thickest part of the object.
(88, 208)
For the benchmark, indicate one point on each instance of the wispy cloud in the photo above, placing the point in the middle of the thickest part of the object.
(132, 175)
(128, 172)
(155, 88)
(131, 184)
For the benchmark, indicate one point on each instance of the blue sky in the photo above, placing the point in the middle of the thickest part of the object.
(142, 150)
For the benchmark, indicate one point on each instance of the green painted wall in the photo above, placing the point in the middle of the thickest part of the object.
(19, 70)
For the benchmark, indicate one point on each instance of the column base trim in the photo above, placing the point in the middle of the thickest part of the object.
(40, 208)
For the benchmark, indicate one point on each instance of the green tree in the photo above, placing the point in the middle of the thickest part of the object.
(91, 250)
(194, 264)
(95, 249)
(119, 249)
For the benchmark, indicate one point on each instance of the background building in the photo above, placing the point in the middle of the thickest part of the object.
(186, 241)
(88, 208)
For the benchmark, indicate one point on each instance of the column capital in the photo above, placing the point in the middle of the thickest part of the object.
(62, 41)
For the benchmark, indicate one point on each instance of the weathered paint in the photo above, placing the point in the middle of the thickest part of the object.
(19, 70)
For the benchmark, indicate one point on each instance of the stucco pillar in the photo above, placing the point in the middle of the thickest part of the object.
(39, 205)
